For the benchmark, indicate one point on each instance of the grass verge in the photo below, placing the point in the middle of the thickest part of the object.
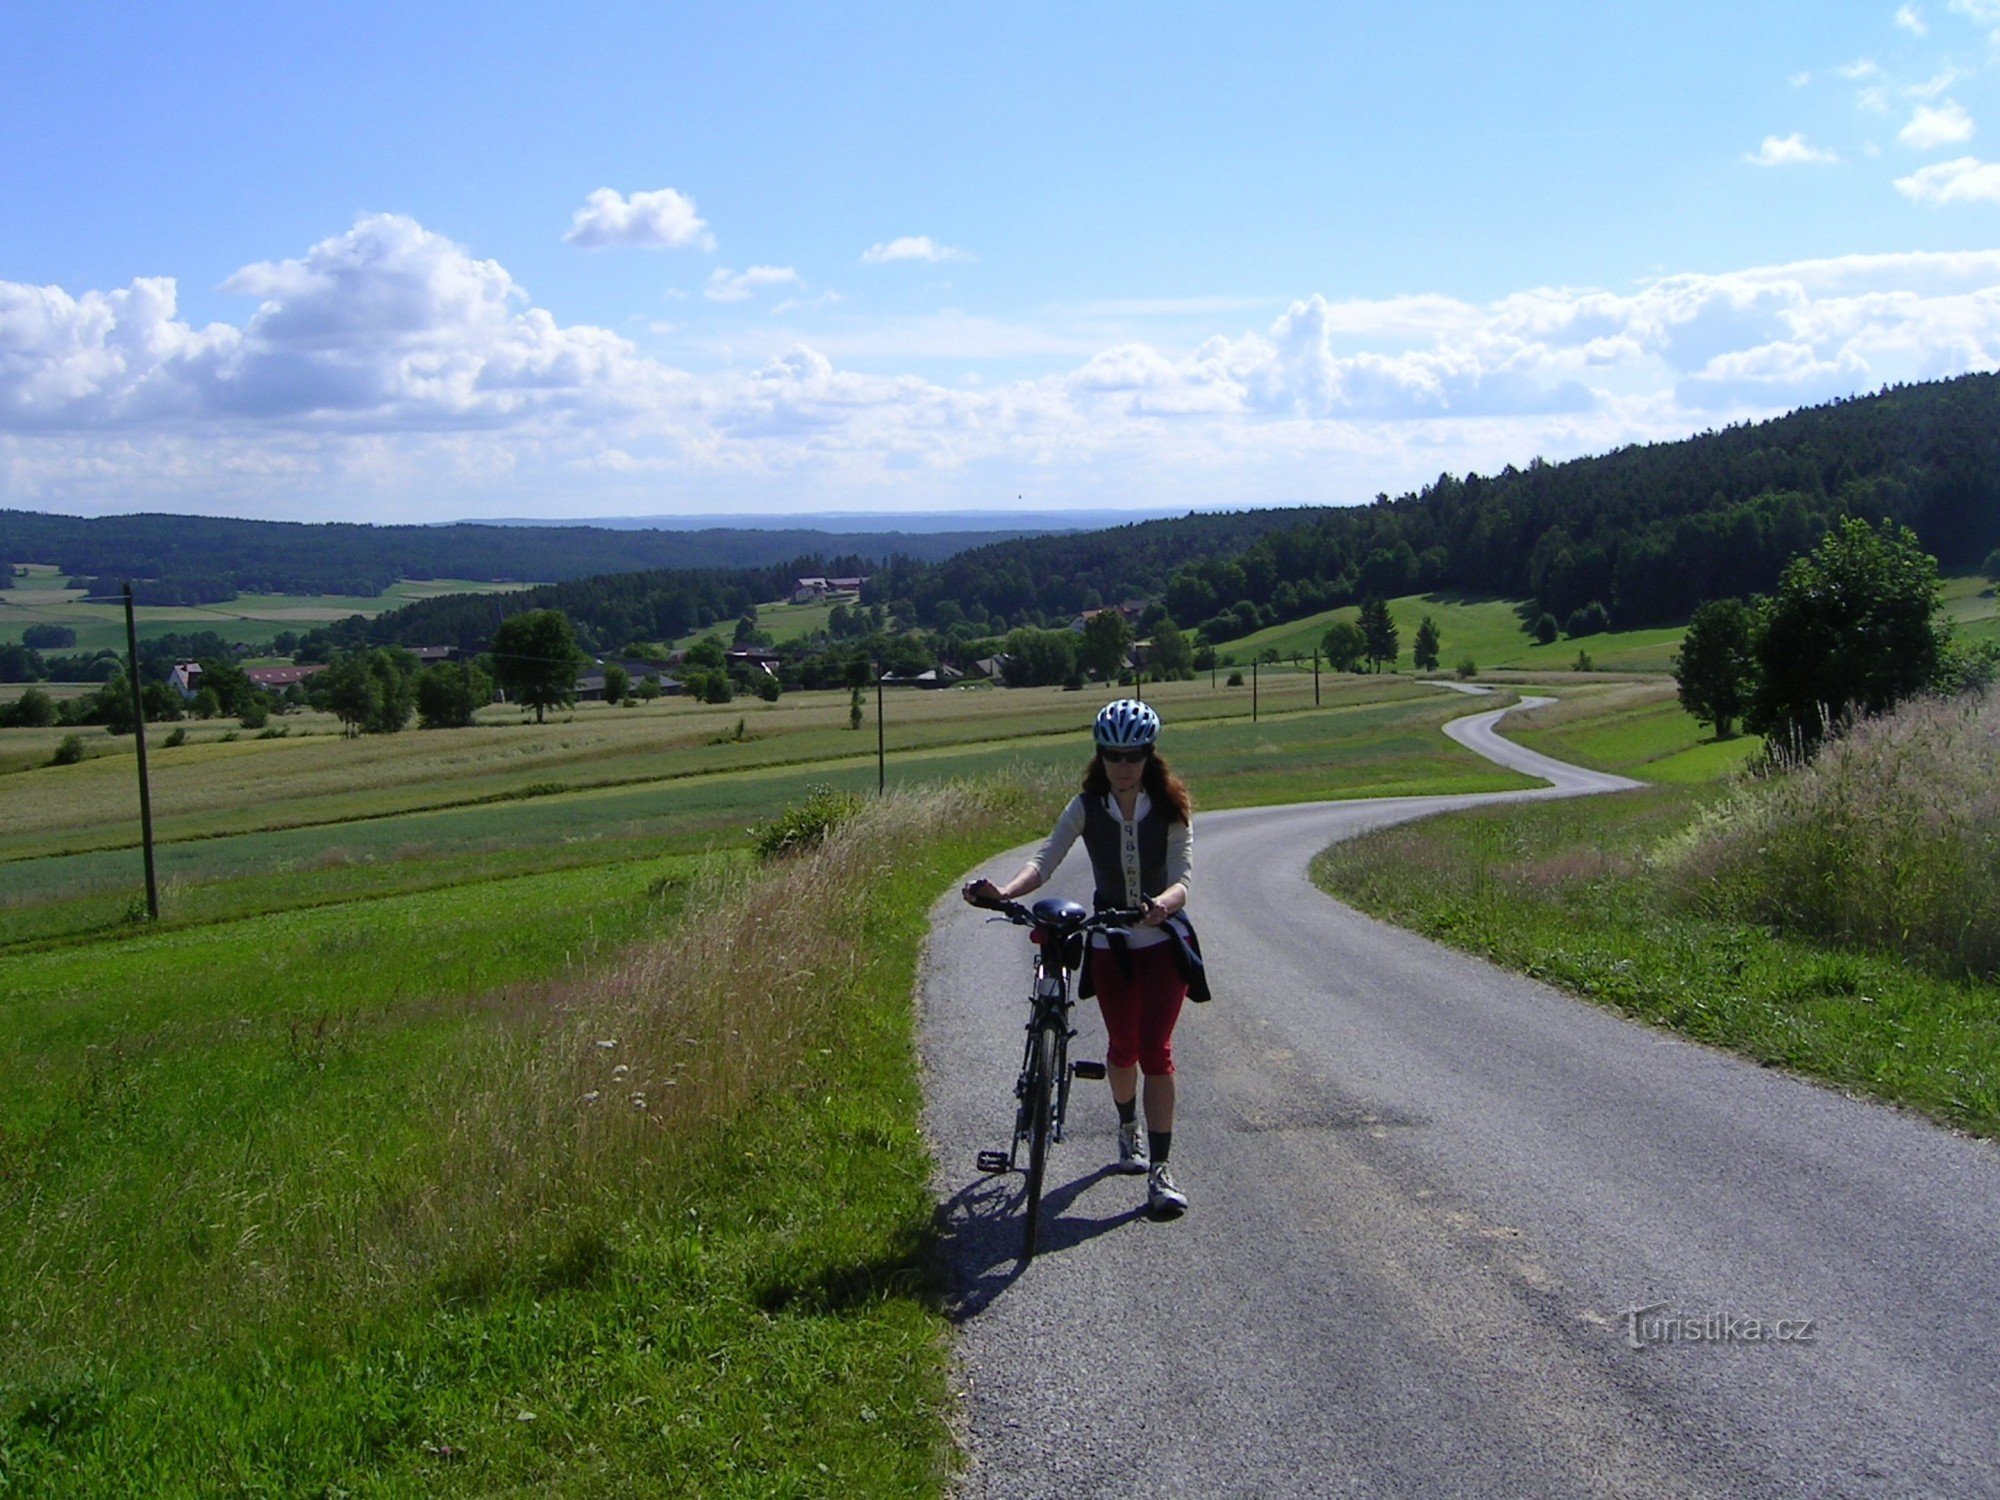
(286, 1209)
(1575, 893)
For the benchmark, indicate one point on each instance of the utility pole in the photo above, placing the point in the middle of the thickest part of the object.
(881, 742)
(1315, 677)
(1253, 690)
(139, 735)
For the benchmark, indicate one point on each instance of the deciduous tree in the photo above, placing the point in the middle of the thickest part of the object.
(536, 659)
(1714, 668)
(1852, 629)
(1345, 646)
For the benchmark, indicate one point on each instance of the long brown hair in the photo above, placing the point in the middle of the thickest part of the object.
(1168, 791)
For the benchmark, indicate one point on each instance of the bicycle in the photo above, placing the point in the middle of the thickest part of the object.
(1059, 931)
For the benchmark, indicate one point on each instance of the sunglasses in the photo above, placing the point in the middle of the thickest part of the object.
(1123, 757)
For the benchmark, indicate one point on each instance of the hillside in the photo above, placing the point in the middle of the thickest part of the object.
(204, 559)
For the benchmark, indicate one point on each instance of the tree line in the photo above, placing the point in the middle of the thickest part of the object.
(184, 560)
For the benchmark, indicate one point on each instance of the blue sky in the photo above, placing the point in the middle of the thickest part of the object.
(375, 263)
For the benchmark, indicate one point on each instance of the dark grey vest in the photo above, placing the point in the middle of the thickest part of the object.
(1103, 836)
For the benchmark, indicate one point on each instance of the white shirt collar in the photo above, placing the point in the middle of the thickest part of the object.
(1139, 809)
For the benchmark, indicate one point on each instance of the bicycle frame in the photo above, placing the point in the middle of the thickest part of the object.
(1041, 1089)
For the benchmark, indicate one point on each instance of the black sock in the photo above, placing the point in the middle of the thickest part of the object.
(1158, 1144)
(1128, 1110)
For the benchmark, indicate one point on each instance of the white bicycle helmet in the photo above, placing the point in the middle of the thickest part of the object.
(1127, 724)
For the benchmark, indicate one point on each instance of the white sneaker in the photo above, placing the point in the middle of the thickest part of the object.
(1132, 1154)
(1163, 1199)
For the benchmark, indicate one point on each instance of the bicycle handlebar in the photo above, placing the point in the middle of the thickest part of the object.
(1117, 916)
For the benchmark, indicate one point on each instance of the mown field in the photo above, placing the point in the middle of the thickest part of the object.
(40, 597)
(257, 824)
(482, 1117)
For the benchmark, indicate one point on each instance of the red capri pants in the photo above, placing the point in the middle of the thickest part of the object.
(1139, 1013)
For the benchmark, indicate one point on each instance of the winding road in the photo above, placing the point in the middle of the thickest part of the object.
(1452, 1232)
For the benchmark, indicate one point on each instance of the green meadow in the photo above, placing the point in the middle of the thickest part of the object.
(41, 597)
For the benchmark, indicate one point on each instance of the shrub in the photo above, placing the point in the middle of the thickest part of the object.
(1235, 679)
(1468, 669)
(1890, 839)
(806, 825)
(175, 740)
(69, 752)
(1583, 663)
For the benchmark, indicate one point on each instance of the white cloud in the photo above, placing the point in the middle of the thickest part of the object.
(1966, 180)
(1979, 12)
(659, 220)
(1862, 67)
(1787, 151)
(1800, 80)
(1946, 125)
(1936, 84)
(1909, 20)
(389, 368)
(384, 327)
(735, 286)
(920, 247)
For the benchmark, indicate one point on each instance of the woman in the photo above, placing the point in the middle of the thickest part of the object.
(1136, 823)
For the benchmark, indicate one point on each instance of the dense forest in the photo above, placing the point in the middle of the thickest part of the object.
(206, 560)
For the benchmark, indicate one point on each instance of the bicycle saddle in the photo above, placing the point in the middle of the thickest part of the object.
(1060, 916)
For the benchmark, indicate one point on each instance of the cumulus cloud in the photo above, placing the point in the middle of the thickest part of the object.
(1787, 151)
(659, 220)
(920, 247)
(1946, 125)
(1908, 19)
(387, 325)
(389, 360)
(737, 286)
(1965, 180)
(1979, 12)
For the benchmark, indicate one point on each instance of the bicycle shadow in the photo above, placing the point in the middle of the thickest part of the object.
(979, 1233)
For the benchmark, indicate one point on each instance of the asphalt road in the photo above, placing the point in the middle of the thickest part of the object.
(1427, 1197)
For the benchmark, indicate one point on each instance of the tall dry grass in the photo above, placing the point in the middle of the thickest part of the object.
(1889, 839)
(685, 1032)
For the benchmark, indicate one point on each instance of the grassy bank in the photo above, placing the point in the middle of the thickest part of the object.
(1606, 898)
(595, 1180)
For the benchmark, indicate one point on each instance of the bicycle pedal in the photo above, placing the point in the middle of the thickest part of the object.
(1087, 1069)
(995, 1161)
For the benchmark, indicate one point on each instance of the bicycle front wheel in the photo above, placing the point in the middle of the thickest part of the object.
(1040, 1103)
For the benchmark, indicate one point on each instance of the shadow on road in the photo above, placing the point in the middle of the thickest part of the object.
(979, 1233)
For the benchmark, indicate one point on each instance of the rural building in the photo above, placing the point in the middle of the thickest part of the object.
(757, 658)
(185, 678)
(277, 679)
(1131, 609)
(819, 590)
(937, 677)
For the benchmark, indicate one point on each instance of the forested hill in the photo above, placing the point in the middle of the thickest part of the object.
(203, 560)
(1648, 532)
